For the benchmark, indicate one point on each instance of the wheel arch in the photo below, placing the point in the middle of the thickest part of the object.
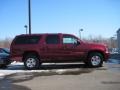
(96, 51)
(30, 52)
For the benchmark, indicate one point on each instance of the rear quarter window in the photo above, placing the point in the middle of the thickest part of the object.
(27, 40)
(52, 39)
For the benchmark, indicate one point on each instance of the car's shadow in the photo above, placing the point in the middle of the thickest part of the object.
(48, 66)
(62, 66)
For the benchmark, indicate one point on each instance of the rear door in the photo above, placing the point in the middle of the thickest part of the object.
(52, 47)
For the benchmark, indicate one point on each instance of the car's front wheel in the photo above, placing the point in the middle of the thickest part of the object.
(31, 62)
(95, 60)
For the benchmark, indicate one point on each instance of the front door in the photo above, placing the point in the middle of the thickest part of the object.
(72, 50)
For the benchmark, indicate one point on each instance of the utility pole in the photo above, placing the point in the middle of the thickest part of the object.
(112, 42)
(29, 15)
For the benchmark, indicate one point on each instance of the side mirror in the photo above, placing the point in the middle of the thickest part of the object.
(78, 42)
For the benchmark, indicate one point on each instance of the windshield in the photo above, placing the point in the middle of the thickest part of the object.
(6, 50)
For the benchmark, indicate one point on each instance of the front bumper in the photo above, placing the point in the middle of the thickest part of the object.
(106, 56)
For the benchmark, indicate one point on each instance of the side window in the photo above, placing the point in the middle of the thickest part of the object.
(52, 39)
(27, 40)
(69, 39)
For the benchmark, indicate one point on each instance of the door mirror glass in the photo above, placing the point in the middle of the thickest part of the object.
(78, 42)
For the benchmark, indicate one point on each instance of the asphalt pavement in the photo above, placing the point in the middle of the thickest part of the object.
(72, 76)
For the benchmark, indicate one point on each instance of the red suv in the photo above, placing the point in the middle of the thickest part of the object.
(35, 49)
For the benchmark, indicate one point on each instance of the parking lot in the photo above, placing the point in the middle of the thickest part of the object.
(37, 36)
(61, 76)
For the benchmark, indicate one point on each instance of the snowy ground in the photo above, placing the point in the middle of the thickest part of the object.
(16, 67)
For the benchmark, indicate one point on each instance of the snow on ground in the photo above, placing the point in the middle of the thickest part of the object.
(17, 67)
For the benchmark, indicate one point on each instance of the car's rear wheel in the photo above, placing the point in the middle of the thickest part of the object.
(95, 60)
(31, 62)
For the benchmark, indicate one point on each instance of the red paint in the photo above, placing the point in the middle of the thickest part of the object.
(56, 52)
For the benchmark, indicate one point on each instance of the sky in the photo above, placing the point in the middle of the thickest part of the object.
(95, 17)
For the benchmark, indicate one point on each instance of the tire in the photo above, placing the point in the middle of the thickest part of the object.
(95, 60)
(3, 66)
(31, 62)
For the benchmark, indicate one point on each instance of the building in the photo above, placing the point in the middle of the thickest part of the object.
(118, 39)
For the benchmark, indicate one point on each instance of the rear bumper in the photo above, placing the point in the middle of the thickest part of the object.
(16, 58)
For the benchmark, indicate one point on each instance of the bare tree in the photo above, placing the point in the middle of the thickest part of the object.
(5, 43)
(111, 43)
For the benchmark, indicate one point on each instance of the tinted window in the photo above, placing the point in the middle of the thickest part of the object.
(27, 39)
(69, 39)
(52, 39)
